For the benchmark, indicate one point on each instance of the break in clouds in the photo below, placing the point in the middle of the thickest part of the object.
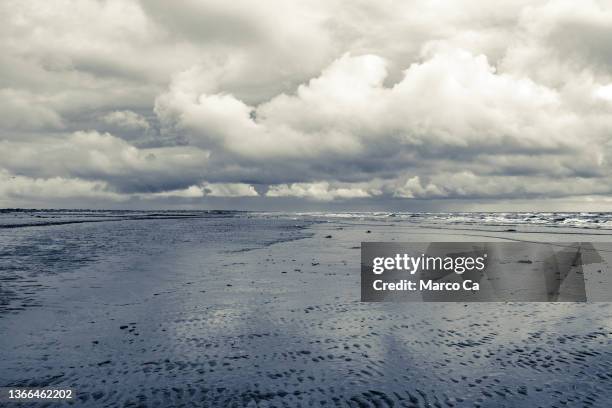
(127, 103)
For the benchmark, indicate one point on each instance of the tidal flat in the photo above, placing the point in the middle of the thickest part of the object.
(224, 309)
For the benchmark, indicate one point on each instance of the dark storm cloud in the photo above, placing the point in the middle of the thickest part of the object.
(138, 102)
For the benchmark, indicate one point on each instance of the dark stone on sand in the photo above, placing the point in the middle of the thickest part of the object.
(123, 327)
(328, 236)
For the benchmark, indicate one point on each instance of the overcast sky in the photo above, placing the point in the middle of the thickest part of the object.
(415, 105)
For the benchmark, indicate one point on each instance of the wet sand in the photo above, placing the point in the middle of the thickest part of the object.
(173, 321)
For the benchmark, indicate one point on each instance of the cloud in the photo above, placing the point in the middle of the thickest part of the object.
(208, 190)
(229, 190)
(319, 101)
(104, 157)
(21, 187)
(604, 92)
(287, 126)
(414, 189)
(559, 40)
(320, 191)
(126, 120)
(25, 110)
(454, 106)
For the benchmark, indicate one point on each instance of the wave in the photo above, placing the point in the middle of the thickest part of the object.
(595, 220)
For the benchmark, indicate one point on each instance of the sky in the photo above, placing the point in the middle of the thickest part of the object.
(321, 105)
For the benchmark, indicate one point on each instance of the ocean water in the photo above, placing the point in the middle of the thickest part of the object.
(36, 246)
(601, 220)
(596, 220)
(196, 308)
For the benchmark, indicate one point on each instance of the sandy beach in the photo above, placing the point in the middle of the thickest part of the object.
(245, 309)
